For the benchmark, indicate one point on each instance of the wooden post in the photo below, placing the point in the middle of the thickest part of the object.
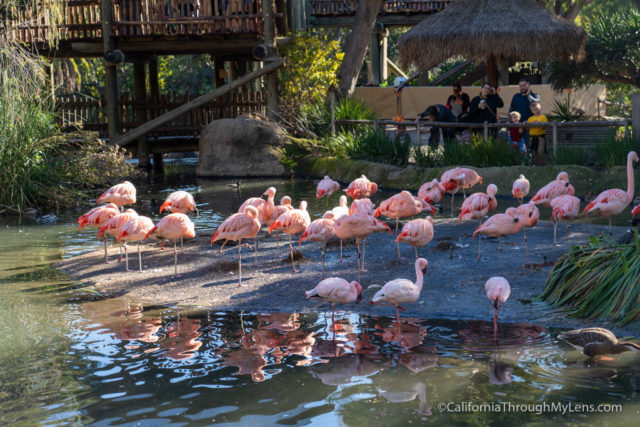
(374, 55)
(333, 113)
(627, 124)
(218, 69)
(140, 93)
(492, 77)
(486, 130)
(384, 65)
(270, 42)
(554, 130)
(418, 131)
(154, 84)
(111, 76)
(635, 117)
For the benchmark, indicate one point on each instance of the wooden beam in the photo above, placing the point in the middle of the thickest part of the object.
(140, 92)
(396, 69)
(201, 100)
(111, 76)
(272, 48)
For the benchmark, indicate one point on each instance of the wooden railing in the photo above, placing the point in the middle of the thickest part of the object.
(349, 7)
(82, 19)
(89, 113)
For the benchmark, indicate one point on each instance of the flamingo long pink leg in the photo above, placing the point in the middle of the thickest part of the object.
(397, 242)
(239, 263)
(340, 250)
(139, 257)
(255, 260)
(555, 226)
(323, 246)
(500, 250)
(126, 258)
(364, 245)
(293, 265)
(526, 246)
(479, 240)
(452, 196)
(415, 249)
(175, 259)
(358, 250)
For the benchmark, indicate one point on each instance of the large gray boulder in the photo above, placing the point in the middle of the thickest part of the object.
(241, 147)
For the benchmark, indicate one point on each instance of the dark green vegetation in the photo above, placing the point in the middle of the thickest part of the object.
(598, 280)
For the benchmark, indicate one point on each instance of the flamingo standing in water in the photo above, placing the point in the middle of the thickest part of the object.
(432, 191)
(401, 291)
(564, 208)
(173, 227)
(477, 205)
(326, 187)
(293, 222)
(416, 233)
(498, 291)
(320, 230)
(120, 195)
(558, 187)
(96, 218)
(239, 226)
(336, 291)
(612, 202)
(179, 202)
(361, 187)
(358, 227)
(134, 231)
(401, 205)
(520, 188)
(500, 225)
(529, 215)
(115, 226)
(459, 178)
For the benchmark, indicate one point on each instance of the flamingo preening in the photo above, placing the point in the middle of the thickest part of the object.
(417, 233)
(115, 226)
(432, 191)
(558, 187)
(326, 187)
(459, 178)
(361, 187)
(477, 205)
(520, 188)
(96, 218)
(121, 195)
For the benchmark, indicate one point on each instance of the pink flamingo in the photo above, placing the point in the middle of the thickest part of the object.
(134, 231)
(612, 202)
(179, 202)
(358, 227)
(362, 207)
(342, 209)
(564, 208)
(401, 205)
(477, 205)
(336, 291)
(432, 191)
(173, 227)
(115, 226)
(459, 178)
(498, 291)
(558, 187)
(500, 225)
(326, 187)
(121, 194)
(416, 233)
(239, 226)
(400, 291)
(265, 207)
(285, 205)
(293, 222)
(529, 215)
(320, 230)
(520, 188)
(361, 187)
(96, 218)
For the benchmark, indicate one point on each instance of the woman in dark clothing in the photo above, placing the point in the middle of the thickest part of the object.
(483, 108)
(458, 102)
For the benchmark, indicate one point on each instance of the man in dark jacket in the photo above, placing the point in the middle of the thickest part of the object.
(439, 113)
(484, 108)
(521, 103)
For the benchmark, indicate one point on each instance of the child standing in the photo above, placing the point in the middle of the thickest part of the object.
(516, 135)
(538, 145)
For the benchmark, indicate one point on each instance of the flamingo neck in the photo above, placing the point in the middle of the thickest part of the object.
(630, 181)
(419, 278)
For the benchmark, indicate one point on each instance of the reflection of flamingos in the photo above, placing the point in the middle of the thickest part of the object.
(135, 231)
(345, 370)
(181, 339)
(419, 358)
(432, 191)
(564, 208)
(401, 291)
(173, 227)
(498, 371)
(300, 343)
(529, 215)
(361, 187)
(96, 218)
(320, 230)
(477, 205)
(407, 335)
(520, 188)
(121, 194)
(416, 233)
(336, 290)
(293, 222)
(612, 202)
(280, 321)
(500, 225)
(358, 227)
(237, 227)
(400, 392)
(326, 187)
(115, 226)
(560, 186)
(498, 291)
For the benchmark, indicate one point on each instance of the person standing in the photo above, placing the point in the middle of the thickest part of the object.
(521, 102)
(458, 102)
(538, 143)
(484, 107)
(439, 113)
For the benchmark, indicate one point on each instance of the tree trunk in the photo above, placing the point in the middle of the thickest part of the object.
(357, 44)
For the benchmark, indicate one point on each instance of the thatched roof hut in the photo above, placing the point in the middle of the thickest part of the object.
(498, 31)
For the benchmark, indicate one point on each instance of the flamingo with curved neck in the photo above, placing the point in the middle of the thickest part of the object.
(613, 201)
(400, 291)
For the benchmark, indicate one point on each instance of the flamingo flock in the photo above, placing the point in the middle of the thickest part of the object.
(357, 221)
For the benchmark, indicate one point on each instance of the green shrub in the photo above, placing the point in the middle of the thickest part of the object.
(316, 116)
(568, 155)
(479, 152)
(377, 146)
(613, 151)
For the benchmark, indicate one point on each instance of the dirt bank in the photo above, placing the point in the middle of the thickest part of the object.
(454, 284)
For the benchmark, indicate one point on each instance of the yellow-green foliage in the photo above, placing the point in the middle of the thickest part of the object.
(312, 66)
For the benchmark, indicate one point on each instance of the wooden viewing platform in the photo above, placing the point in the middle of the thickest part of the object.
(338, 13)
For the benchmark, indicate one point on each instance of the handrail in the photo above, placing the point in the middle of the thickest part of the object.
(349, 7)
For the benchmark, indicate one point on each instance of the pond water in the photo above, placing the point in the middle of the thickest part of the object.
(70, 357)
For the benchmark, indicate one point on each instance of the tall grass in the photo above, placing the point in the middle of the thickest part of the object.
(377, 146)
(613, 151)
(568, 155)
(316, 117)
(479, 152)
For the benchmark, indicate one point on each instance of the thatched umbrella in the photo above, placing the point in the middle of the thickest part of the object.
(497, 31)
